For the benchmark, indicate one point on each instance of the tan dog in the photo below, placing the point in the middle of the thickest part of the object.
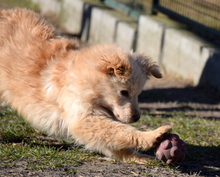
(82, 94)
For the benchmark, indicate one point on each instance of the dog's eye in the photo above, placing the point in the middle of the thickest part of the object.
(125, 93)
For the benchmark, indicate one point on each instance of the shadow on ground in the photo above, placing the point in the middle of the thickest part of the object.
(209, 164)
(203, 102)
(199, 95)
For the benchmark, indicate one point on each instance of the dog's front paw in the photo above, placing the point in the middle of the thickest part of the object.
(161, 133)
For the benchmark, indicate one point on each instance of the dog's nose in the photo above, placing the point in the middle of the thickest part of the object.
(136, 117)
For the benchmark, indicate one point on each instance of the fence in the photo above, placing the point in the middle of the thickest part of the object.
(206, 12)
(201, 15)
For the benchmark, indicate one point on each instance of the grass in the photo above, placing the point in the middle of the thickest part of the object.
(19, 3)
(201, 135)
(19, 141)
(192, 129)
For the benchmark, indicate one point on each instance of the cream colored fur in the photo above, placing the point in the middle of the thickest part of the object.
(86, 94)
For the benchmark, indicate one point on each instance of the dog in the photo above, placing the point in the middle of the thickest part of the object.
(87, 94)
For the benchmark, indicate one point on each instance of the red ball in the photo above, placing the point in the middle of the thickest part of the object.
(171, 150)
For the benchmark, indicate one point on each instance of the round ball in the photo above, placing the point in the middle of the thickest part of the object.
(171, 150)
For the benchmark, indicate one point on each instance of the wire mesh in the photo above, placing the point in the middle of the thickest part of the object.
(206, 12)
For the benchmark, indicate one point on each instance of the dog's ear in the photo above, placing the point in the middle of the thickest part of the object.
(149, 67)
(120, 71)
(113, 61)
(154, 71)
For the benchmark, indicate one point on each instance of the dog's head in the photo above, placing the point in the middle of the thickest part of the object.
(120, 80)
(105, 79)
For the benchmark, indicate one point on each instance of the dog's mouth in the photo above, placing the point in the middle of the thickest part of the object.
(109, 112)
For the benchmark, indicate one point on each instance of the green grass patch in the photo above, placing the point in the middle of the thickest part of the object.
(19, 141)
(193, 130)
(19, 3)
(201, 135)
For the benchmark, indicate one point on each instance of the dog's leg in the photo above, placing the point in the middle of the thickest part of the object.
(130, 155)
(115, 139)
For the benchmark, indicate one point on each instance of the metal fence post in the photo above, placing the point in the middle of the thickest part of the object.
(154, 5)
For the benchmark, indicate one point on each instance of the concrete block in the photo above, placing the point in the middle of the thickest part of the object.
(126, 35)
(210, 71)
(49, 6)
(103, 26)
(178, 50)
(108, 26)
(71, 16)
(150, 36)
(184, 54)
(75, 15)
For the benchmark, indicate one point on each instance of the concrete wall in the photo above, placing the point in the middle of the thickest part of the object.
(150, 34)
(126, 34)
(75, 15)
(103, 26)
(184, 55)
(169, 43)
(71, 16)
(176, 49)
(49, 6)
(109, 26)
(211, 70)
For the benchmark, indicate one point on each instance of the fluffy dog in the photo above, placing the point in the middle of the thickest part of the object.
(85, 94)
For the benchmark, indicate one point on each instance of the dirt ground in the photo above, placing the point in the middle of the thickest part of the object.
(97, 168)
(158, 97)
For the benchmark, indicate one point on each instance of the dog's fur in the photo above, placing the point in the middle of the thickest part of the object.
(83, 94)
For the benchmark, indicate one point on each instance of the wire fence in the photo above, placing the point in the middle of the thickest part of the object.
(206, 12)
